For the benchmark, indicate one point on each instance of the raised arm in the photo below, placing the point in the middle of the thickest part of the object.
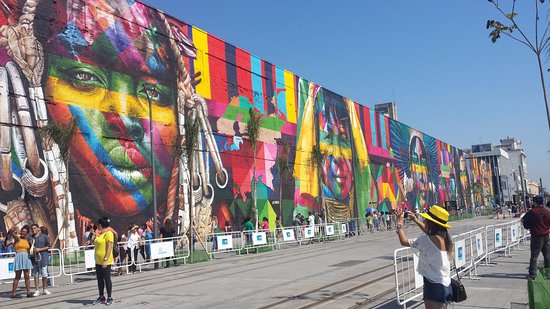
(400, 231)
(420, 224)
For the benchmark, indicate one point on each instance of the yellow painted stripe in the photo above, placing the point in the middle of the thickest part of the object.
(415, 168)
(290, 96)
(200, 39)
(108, 101)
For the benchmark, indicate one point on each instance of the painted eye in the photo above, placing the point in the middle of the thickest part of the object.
(85, 77)
(153, 94)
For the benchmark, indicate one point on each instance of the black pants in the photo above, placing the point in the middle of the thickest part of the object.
(104, 279)
(538, 244)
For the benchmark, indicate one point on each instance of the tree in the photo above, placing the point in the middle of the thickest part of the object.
(316, 160)
(284, 167)
(191, 138)
(62, 135)
(536, 44)
(253, 132)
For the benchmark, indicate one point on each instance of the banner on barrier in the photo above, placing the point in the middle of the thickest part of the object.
(498, 238)
(309, 232)
(161, 250)
(344, 229)
(288, 235)
(329, 229)
(89, 258)
(460, 259)
(259, 238)
(225, 242)
(7, 270)
(514, 232)
(479, 245)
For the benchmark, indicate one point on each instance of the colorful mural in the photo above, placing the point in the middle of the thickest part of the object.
(106, 64)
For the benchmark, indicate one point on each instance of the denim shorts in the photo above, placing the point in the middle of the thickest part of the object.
(437, 292)
(39, 271)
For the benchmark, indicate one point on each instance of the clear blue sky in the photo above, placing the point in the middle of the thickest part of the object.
(433, 57)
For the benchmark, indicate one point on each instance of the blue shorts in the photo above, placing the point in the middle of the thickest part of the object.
(437, 292)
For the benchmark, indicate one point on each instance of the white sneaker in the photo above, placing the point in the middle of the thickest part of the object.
(46, 292)
(36, 293)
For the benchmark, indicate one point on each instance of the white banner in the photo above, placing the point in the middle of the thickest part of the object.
(309, 231)
(460, 253)
(7, 270)
(344, 228)
(89, 258)
(479, 245)
(161, 250)
(514, 232)
(288, 235)
(498, 238)
(329, 229)
(225, 242)
(259, 238)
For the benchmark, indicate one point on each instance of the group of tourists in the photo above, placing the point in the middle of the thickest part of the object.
(31, 245)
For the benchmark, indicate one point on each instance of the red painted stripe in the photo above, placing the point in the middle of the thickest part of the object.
(244, 78)
(216, 60)
(387, 128)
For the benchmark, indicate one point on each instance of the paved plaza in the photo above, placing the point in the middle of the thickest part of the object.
(355, 272)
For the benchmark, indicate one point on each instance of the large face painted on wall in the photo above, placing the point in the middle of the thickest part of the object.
(100, 80)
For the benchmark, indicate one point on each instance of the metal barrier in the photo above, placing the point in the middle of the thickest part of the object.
(470, 249)
(7, 271)
(157, 251)
(258, 239)
(223, 242)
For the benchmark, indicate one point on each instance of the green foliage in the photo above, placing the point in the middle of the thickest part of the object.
(282, 158)
(61, 134)
(253, 127)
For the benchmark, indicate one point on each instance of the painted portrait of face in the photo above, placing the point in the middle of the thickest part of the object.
(419, 171)
(335, 143)
(97, 67)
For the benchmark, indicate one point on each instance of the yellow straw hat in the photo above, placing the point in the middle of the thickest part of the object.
(437, 215)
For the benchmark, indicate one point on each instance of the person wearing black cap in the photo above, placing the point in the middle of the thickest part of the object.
(434, 250)
(537, 220)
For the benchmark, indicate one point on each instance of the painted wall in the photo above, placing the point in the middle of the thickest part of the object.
(94, 61)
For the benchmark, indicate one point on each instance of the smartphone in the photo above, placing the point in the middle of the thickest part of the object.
(406, 215)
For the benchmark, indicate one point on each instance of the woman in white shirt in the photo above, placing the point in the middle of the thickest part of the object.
(434, 250)
(133, 246)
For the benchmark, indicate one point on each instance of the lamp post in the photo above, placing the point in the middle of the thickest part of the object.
(149, 88)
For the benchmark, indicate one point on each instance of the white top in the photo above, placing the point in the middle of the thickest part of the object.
(133, 240)
(311, 220)
(432, 263)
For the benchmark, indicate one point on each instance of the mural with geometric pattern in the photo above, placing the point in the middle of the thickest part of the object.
(104, 63)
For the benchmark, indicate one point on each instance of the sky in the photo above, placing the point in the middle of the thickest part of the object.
(433, 58)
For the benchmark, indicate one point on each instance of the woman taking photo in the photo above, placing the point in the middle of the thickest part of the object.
(434, 250)
(103, 260)
(22, 262)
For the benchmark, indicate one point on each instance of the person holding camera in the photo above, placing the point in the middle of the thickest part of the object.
(434, 250)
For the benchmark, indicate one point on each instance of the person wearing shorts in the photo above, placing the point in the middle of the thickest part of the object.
(40, 259)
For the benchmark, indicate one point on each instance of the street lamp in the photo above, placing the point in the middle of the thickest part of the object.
(150, 88)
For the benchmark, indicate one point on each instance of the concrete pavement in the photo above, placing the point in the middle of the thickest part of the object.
(352, 273)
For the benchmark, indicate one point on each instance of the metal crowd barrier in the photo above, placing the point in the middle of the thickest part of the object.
(162, 250)
(55, 267)
(470, 249)
(223, 242)
(257, 239)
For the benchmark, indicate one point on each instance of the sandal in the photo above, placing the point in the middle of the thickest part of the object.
(15, 296)
(30, 295)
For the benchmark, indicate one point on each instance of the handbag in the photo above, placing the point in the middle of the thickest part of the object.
(459, 291)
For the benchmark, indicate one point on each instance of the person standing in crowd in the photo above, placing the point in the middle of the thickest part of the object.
(133, 246)
(228, 228)
(434, 250)
(22, 262)
(40, 260)
(168, 231)
(215, 231)
(537, 220)
(248, 227)
(2, 241)
(146, 238)
(278, 229)
(104, 243)
(89, 236)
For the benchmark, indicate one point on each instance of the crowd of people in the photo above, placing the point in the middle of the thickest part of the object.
(30, 245)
